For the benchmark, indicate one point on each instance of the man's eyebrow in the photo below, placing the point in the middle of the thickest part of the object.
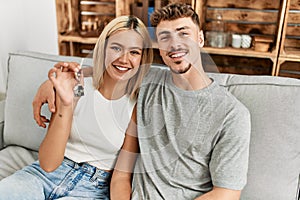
(164, 32)
(177, 29)
(182, 28)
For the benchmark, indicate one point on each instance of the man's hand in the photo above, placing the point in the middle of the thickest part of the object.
(64, 83)
(45, 94)
(68, 66)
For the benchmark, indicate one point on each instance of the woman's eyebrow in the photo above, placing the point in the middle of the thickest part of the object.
(116, 43)
(132, 47)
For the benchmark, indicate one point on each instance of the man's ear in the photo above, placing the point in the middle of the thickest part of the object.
(200, 38)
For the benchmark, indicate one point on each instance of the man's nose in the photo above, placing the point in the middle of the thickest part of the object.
(175, 42)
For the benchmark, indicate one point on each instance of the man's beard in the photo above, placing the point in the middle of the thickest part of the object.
(182, 71)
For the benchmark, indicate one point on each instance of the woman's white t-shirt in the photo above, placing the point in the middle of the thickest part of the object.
(98, 128)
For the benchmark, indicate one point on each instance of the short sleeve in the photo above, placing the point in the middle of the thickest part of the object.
(230, 155)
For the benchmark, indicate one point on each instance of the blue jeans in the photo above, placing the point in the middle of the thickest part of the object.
(69, 181)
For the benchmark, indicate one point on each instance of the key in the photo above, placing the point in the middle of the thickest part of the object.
(78, 90)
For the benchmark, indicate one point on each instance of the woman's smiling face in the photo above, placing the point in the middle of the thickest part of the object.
(123, 54)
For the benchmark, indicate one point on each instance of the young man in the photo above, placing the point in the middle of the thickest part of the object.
(193, 135)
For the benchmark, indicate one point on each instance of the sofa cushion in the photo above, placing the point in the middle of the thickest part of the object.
(26, 71)
(274, 104)
(13, 158)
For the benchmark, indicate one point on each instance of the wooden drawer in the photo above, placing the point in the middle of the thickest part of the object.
(290, 69)
(236, 65)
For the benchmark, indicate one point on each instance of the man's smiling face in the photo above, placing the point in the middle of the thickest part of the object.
(179, 41)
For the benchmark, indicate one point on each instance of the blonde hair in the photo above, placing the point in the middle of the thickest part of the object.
(118, 24)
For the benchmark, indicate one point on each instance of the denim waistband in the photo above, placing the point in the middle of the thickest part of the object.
(87, 168)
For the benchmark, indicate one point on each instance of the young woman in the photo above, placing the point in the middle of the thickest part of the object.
(87, 134)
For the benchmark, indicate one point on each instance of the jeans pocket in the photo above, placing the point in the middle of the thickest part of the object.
(102, 186)
(100, 181)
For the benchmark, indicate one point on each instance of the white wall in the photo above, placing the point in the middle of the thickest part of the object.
(26, 25)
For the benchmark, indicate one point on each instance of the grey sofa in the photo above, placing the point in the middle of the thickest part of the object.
(274, 104)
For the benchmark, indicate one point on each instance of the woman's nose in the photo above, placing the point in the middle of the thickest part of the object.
(124, 57)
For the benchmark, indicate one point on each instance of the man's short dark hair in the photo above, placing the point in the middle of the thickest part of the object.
(174, 11)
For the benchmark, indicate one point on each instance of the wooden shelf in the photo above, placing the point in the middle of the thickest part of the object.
(291, 55)
(240, 52)
(85, 16)
(263, 18)
(77, 38)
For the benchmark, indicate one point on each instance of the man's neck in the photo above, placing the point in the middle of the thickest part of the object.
(194, 79)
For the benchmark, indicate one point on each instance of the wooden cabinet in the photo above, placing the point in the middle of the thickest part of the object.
(289, 55)
(260, 18)
(80, 22)
(275, 20)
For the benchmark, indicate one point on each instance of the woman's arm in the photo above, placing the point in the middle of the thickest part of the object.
(120, 187)
(52, 149)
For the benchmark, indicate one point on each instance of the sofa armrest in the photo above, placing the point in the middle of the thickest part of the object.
(2, 104)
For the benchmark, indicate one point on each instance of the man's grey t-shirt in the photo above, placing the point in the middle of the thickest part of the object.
(189, 141)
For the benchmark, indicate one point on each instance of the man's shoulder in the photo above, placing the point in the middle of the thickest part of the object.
(155, 79)
(156, 73)
(224, 97)
(157, 68)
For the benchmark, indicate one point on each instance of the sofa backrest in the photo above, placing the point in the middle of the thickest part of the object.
(26, 71)
(274, 162)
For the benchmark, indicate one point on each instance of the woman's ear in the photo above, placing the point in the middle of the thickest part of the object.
(200, 38)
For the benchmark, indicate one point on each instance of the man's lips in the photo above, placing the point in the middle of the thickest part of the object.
(177, 54)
